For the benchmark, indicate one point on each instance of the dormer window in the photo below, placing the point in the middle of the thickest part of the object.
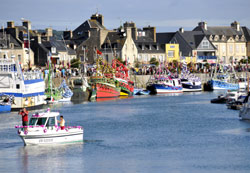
(53, 50)
(205, 44)
(142, 47)
(216, 38)
(211, 38)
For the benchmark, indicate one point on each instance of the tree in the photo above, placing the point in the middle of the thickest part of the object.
(154, 61)
(75, 63)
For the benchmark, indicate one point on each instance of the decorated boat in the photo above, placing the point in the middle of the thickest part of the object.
(66, 92)
(161, 83)
(52, 93)
(103, 83)
(189, 81)
(121, 75)
(27, 87)
(43, 129)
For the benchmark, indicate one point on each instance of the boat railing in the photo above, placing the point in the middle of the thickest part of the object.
(32, 75)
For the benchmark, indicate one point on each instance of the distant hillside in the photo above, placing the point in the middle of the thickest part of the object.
(57, 34)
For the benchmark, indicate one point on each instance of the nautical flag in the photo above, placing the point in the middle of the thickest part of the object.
(98, 52)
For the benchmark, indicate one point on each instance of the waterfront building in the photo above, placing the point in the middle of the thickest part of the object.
(247, 36)
(119, 44)
(14, 43)
(229, 41)
(87, 38)
(46, 47)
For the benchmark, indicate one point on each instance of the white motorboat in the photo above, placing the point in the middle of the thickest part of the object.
(43, 129)
(245, 110)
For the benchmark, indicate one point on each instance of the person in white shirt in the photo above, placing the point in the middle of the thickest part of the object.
(62, 122)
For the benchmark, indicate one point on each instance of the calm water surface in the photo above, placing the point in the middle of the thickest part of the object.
(182, 133)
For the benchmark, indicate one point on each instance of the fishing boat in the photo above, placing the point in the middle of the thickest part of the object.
(27, 87)
(161, 83)
(121, 75)
(43, 129)
(5, 102)
(103, 83)
(190, 82)
(224, 80)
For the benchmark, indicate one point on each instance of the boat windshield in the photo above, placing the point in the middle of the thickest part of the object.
(41, 121)
(51, 122)
(33, 121)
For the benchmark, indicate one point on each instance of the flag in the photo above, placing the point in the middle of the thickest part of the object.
(98, 52)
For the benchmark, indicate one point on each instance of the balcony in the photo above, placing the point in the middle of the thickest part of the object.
(207, 57)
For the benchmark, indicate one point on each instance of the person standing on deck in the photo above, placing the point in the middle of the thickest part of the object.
(62, 122)
(25, 118)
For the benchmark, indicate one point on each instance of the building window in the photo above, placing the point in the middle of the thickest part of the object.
(242, 48)
(223, 48)
(139, 57)
(4, 56)
(53, 50)
(230, 48)
(170, 53)
(205, 44)
(237, 48)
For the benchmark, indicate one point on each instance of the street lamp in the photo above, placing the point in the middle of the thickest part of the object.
(24, 20)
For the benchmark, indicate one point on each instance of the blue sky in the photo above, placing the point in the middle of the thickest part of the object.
(166, 15)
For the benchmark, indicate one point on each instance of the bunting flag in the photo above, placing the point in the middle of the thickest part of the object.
(98, 52)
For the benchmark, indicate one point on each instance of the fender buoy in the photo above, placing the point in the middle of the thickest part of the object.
(45, 130)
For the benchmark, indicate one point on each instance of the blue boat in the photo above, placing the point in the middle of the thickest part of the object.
(223, 84)
(5, 102)
(141, 92)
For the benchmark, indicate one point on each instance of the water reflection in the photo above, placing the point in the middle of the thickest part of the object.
(48, 158)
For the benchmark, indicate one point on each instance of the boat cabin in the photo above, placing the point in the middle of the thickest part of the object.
(44, 119)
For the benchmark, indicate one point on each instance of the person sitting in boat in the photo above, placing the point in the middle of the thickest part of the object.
(62, 122)
(25, 117)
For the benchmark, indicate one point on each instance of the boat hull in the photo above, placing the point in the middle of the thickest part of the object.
(106, 91)
(62, 137)
(5, 108)
(221, 85)
(164, 89)
(191, 88)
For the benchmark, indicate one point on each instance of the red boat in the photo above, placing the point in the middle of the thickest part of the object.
(105, 88)
(121, 74)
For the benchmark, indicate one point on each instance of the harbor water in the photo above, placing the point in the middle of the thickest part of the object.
(184, 133)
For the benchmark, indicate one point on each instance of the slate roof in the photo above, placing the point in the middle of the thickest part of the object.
(114, 38)
(149, 48)
(3, 41)
(246, 32)
(164, 38)
(226, 31)
(193, 38)
(81, 32)
(59, 45)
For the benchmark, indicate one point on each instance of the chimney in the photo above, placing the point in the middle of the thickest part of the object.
(39, 39)
(133, 29)
(203, 25)
(235, 25)
(10, 24)
(150, 32)
(181, 30)
(128, 32)
(49, 32)
(98, 17)
(27, 24)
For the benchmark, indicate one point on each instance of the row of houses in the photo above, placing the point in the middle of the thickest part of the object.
(226, 44)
